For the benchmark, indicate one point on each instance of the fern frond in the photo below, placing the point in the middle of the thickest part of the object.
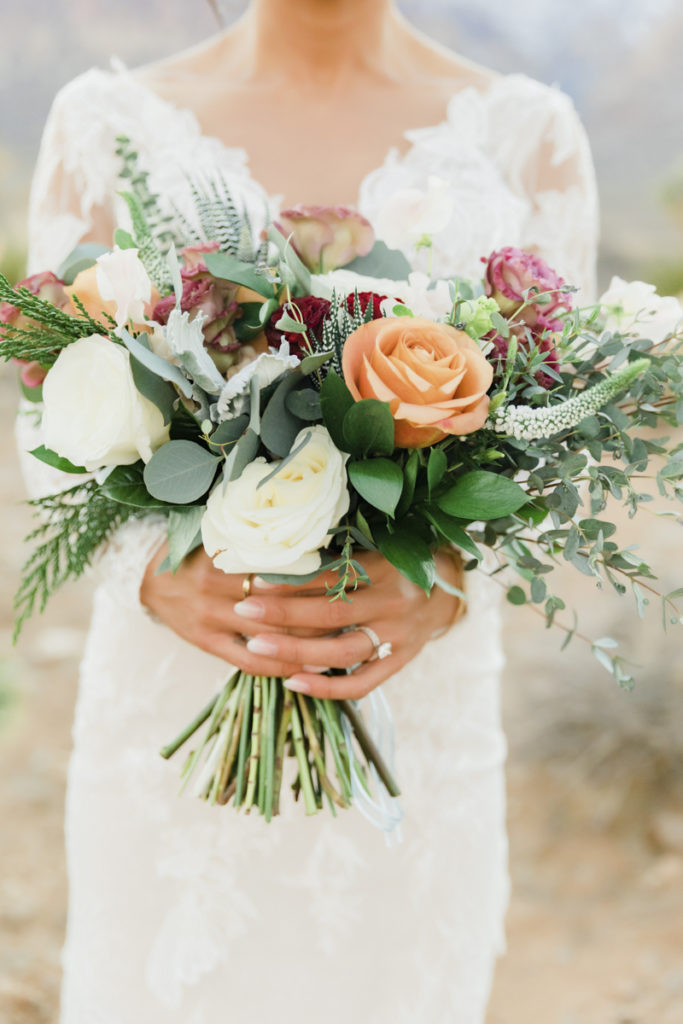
(149, 252)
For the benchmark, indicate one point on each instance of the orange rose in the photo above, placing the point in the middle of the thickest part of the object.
(433, 376)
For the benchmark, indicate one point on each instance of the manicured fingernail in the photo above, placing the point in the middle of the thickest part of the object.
(297, 684)
(317, 669)
(250, 609)
(258, 581)
(259, 645)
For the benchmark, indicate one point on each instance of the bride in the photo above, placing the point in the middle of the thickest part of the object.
(178, 911)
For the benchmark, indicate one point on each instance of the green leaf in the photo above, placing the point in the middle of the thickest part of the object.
(410, 470)
(125, 484)
(436, 467)
(80, 258)
(379, 481)
(158, 391)
(124, 239)
(31, 394)
(184, 533)
(482, 495)
(180, 472)
(242, 454)
(335, 402)
(229, 268)
(368, 428)
(409, 554)
(454, 531)
(382, 261)
(53, 459)
(300, 272)
(309, 364)
(279, 426)
(161, 367)
(516, 595)
(250, 322)
(280, 465)
(304, 403)
(230, 431)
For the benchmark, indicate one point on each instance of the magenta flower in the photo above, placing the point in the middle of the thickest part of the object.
(326, 237)
(510, 272)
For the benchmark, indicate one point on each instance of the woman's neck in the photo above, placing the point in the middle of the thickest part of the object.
(318, 42)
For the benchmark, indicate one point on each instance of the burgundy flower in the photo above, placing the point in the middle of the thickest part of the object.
(525, 338)
(510, 272)
(48, 287)
(364, 298)
(313, 312)
(209, 296)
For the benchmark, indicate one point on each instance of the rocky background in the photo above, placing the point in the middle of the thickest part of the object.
(595, 776)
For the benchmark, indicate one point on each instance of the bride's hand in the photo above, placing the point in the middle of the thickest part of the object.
(198, 603)
(397, 611)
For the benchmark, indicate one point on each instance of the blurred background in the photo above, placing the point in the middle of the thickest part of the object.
(595, 778)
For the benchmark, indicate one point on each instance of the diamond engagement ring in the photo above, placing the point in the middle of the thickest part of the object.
(381, 650)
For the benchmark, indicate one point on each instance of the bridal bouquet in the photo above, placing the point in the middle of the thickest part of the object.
(286, 413)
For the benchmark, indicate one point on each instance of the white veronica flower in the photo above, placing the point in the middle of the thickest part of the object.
(122, 279)
(635, 305)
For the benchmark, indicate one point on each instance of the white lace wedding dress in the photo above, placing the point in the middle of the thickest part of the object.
(185, 914)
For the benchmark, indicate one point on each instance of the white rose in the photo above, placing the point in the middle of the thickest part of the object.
(280, 526)
(122, 279)
(635, 305)
(93, 413)
(411, 213)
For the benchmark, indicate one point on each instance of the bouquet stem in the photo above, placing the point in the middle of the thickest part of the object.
(253, 725)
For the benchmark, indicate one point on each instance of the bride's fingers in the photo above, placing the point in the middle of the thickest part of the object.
(340, 651)
(354, 686)
(320, 612)
(232, 648)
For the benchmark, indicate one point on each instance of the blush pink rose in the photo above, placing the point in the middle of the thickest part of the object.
(48, 287)
(326, 237)
(510, 272)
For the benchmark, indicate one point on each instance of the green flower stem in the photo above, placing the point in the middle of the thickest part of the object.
(263, 750)
(275, 692)
(222, 773)
(317, 752)
(244, 740)
(231, 754)
(221, 701)
(368, 747)
(305, 780)
(335, 738)
(255, 745)
(170, 749)
(279, 754)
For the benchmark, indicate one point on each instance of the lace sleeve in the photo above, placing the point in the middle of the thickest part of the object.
(70, 202)
(547, 161)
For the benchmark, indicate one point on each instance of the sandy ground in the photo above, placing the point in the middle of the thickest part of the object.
(595, 783)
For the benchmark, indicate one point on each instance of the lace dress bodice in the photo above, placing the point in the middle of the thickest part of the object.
(180, 912)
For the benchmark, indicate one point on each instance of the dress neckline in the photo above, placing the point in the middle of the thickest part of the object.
(239, 153)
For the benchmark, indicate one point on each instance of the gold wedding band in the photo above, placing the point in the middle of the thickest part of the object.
(246, 584)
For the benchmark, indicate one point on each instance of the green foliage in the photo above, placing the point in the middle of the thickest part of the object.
(180, 472)
(75, 522)
(158, 222)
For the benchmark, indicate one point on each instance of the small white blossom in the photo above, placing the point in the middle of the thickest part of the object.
(122, 279)
(636, 306)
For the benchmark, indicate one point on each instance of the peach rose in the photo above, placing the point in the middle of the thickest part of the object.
(85, 288)
(434, 377)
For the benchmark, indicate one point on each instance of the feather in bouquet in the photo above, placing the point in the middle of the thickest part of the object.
(286, 419)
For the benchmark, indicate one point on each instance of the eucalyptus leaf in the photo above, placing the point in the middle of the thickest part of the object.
(300, 273)
(279, 426)
(230, 431)
(51, 458)
(282, 464)
(304, 403)
(124, 239)
(379, 481)
(161, 367)
(184, 533)
(480, 494)
(180, 472)
(243, 453)
(382, 261)
(309, 364)
(158, 391)
(230, 268)
(80, 258)
(31, 394)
